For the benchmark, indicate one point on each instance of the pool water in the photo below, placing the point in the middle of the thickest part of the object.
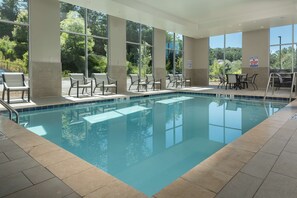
(148, 142)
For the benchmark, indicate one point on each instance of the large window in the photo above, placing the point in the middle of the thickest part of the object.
(174, 53)
(14, 28)
(225, 56)
(84, 40)
(283, 41)
(139, 48)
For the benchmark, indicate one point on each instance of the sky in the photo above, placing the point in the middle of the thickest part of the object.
(235, 39)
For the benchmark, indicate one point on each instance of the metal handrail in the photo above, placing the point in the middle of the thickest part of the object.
(268, 83)
(10, 111)
(292, 86)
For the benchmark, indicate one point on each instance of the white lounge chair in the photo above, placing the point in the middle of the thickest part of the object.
(135, 78)
(13, 81)
(151, 80)
(78, 80)
(103, 81)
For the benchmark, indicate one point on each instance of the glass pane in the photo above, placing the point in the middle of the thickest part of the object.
(133, 32)
(178, 62)
(147, 34)
(281, 35)
(97, 22)
(14, 10)
(216, 58)
(169, 40)
(286, 58)
(179, 42)
(146, 60)
(72, 18)
(72, 53)
(169, 61)
(295, 33)
(233, 54)
(14, 47)
(97, 59)
(216, 42)
(281, 58)
(295, 57)
(274, 59)
(133, 58)
(65, 8)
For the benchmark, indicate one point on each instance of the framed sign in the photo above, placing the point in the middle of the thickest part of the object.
(254, 62)
(190, 64)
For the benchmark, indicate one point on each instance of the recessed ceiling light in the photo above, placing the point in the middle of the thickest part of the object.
(261, 26)
(239, 24)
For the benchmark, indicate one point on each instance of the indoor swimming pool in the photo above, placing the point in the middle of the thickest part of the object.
(148, 142)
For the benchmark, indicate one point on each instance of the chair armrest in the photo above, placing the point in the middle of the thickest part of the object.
(111, 81)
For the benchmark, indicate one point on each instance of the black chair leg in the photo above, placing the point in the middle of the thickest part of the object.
(3, 94)
(69, 91)
(8, 96)
(29, 95)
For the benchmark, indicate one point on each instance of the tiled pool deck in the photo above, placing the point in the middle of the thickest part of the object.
(261, 163)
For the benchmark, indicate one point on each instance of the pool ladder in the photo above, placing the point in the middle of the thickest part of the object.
(272, 76)
(10, 110)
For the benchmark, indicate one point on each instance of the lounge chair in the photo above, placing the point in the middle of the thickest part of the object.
(171, 79)
(185, 81)
(78, 80)
(175, 80)
(150, 79)
(104, 82)
(136, 79)
(13, 81)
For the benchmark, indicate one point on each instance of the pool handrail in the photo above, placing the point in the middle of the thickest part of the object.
(10, 111)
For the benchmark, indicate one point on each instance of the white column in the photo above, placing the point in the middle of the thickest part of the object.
(159, 56)
(256, 44)
(45, 60)
(117, 68)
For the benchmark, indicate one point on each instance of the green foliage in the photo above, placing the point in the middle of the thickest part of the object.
(73, 46)
(97, 63)
(7, 48)
(231, 65)
(286, 59)
(131, 68)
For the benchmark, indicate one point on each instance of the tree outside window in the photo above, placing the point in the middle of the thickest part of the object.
(174, 53)
(14, 28)
(139, 48)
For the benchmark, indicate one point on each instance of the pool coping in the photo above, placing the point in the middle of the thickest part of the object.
(88, 180)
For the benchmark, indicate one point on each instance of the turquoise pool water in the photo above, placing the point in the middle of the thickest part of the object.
(148, 142)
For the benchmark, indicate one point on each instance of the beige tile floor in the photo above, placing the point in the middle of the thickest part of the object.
(261, 163)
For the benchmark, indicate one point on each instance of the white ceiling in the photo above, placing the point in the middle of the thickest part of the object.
(199, 18)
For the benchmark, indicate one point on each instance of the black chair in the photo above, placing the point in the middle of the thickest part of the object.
(252, 80)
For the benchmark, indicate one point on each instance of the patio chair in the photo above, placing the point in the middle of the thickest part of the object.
(78, 80)
(222, 80)
(104, 82)
(136, 79)
(232, 81)
(175, 80)
(171, 79)
(252, 80)
(185, 81)
(150, 79)
(244, 80)
(13, 81)
(178, 80)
